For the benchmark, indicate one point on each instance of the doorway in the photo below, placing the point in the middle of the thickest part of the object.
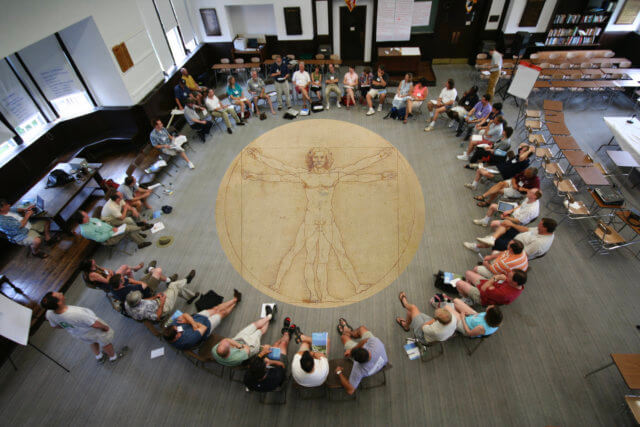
(458, 30)
(352, 33)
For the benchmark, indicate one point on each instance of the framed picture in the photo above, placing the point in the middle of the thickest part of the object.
(628, 13)
(210, 22)
(292, 21)
(531, 13)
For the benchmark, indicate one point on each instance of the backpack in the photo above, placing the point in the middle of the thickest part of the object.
(58, 178)
(208, 300)
(439, 283)
(393, 113)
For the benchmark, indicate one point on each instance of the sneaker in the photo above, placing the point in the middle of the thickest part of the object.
(190, 276)
(471, 246)
(229, 131)
(241, 123)
(380, 107)
(428, 128)
(463, 157)
(191, 165)
(144, 245)
(237, 295)
(152, 264)
(480, 222)
(338, 104)
(451, 123)
(371, 112)
(327, 107)
(470, 186)
(467, 301)
(100, 360)
(193, 298)
(279, 107)
(120, 354)
(173, 277)
(488, 240)
(286, 326)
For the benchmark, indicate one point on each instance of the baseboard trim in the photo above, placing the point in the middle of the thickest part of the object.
(449, 61)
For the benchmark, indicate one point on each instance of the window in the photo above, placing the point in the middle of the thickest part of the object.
(177, 27)
(175, 44)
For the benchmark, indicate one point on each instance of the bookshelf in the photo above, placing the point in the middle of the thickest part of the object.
(569, 28)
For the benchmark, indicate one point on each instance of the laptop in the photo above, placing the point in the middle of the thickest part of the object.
(505, 206)
(38, 209)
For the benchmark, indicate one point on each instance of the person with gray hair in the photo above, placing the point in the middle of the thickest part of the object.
(256, 88)
(279, 71)
(161, 304)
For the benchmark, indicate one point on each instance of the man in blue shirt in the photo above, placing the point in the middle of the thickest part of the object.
(280, 73)
(21, 230)
(368, 354)
(101, 232)
(200, 125)
(477, 114)
(181, 92)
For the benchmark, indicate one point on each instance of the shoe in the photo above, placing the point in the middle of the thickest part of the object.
(147, 227)
(327, 107)
(202, 138)
(193, 298)
(229, 131)
(237, 295)
(286, 326)
(379, 107)
(190, 276)
(463, 157)
(144, 236)
(102, 359)
(173, 277)
(338, 105)
(471, 246)
(152, 264)
(141, 223)
(279, 107)
(297, 332)
(271, 311)
(451, 123)
(467, 301)
(242, 123)
(191, 165)
(488, 240)
(120, 354)
(428, 128)
(387, 116)
(471, 186)
(371, 112)
(480, 222)
(466, 137)
(144, 245)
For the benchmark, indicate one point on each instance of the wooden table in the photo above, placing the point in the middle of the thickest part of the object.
(235, 66)
(635, 226)
(622, 159)
(552, 105)
(633, 73)
(558, 129)
(604, 83)
(592, 176)
(572, 83)
(400, 59)
(311, 61)
(629, 367)
(577, 158)
(566, 143)
(591, 72)
(60, 203)
(542, 84)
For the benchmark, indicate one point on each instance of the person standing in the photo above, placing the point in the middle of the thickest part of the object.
(496, 68)
(83, 324)
(280, 73)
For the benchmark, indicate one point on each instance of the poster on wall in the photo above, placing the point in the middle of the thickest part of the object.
(421, 13)
(394, 20)
(628, 13)
(210, 22)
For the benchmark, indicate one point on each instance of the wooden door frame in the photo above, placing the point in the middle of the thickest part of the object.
(334, 29)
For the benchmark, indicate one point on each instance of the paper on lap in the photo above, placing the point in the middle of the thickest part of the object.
(120, 230)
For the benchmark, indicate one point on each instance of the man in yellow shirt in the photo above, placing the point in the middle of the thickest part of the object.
(192, 85)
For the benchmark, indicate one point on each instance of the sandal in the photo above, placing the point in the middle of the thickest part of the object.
(402, 295)
(402, 323)
(479, 198)
(482, 204)
(342, 323)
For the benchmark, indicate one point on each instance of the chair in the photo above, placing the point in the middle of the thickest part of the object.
(426, 348)
(575, 209)
(551, 169)
(537, 139)
(309, 393)
(633, 405)
(202, 356)
(241, 70)
(319, 56)
(279, 393)
(474, 343)
(563, 185)
(254, 60)
(335, 391)
(378, 379)
(606, 239)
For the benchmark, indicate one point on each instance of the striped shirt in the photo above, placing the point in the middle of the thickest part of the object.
(509, 261)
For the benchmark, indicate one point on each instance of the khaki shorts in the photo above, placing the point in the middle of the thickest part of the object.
(484, 272)
(352, 343)
(36, 230)
(250, 336)
(474, 294)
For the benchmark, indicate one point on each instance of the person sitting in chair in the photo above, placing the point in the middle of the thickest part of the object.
(161, 304)
(265, 374)
(316, 83)
(331, 85)
(101, 232)
(117, 212)
(513, 258)
(445, 102)
(181, 93)
(378, 89)
(512, 188)
(492, 136)
(162, 140)
(301, 81)
(507, 170)
(350, 83)
(478, 113)
(121, 286)
(402, 94)
(256, 88)
(216, 109)
(98, 276)
(426, 329)
(458, 113)
(472, 324)
(368, 354)
(493, 154)
(187, 331)
(500, 289)
(245, 344)
(236, 95)
(202, 125)
(310, 368)
(365, 79)
(133, 194)
(418, 95)
(20, 228)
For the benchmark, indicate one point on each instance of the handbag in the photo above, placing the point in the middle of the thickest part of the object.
(208, 300)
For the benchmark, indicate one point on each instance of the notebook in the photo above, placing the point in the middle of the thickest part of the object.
(319, 342)
(412, 350)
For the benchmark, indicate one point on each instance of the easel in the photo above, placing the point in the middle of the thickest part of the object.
(524, 78)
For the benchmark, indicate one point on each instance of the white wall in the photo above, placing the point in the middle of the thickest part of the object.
(514, 13)
(368, 31)
(611, 26)
(156, 34)
(88, 51)
(26, 21)
(495, 9)
(226, 25)
(257, 19)
(322, 18)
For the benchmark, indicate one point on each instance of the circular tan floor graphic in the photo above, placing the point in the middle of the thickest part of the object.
(320, 213)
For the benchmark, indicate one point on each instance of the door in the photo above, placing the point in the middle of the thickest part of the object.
(352, 27)
(458, 27)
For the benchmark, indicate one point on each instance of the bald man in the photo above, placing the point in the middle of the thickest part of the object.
(426, 329)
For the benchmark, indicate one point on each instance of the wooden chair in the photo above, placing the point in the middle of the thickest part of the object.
(378, 379)
(537, 139)
(309, 393)
(575, 209)
(551, 169)
(335, 391)
(241, 70)
(607, 239)
(563, 186)
(202, 357)
(254, 60)
(277, 396)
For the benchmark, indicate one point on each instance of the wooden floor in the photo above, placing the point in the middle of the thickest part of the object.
(575, 310)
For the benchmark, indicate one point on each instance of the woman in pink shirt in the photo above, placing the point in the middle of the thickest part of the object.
(350, 83)
(418, 95)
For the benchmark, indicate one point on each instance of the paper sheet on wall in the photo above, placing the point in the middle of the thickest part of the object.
(421, 14)
(394, 20)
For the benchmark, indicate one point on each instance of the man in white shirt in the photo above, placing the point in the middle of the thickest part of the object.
(494, 71)
(426, 329)
(520, 215)
(444, 102)
(310, 368)
(117, 212)
(301, 80)
(81, 323)
(216, 109)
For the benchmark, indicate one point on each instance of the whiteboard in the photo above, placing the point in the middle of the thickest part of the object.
(394, 20)
(15, 320)
(523, 80)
